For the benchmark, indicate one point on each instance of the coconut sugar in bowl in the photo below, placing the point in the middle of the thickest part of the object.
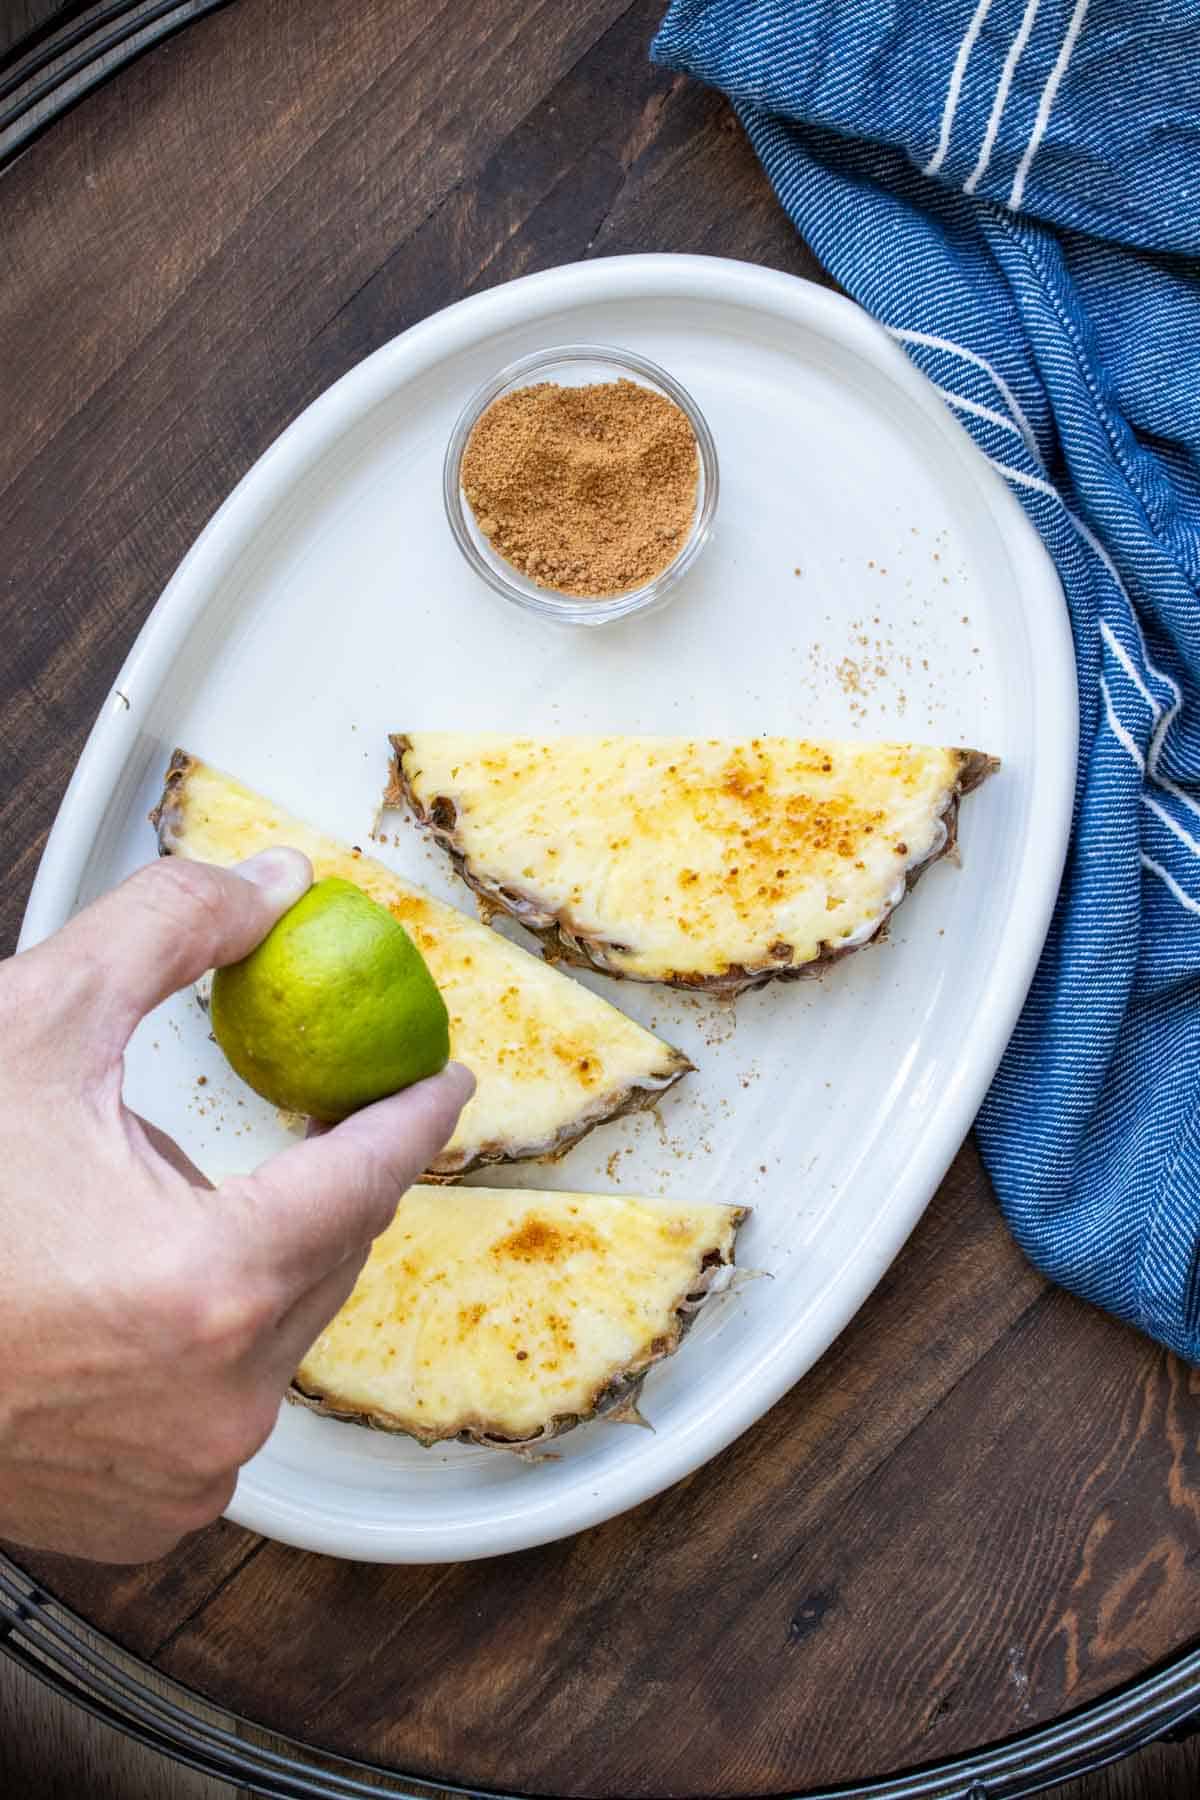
(581, 483)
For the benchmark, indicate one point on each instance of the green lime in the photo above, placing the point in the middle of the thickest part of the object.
(334, 1009)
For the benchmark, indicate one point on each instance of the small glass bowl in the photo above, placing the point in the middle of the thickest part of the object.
(574, 365)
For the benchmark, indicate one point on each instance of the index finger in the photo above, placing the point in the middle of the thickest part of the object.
(166, 926)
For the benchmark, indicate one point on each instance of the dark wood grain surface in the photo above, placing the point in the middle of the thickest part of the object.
(983, 1507)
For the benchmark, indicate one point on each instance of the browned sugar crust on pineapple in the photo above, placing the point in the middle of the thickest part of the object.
(169, 819)
(563, 943)
(614, 1398)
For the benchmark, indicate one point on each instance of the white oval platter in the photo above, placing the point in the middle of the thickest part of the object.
(869, 574)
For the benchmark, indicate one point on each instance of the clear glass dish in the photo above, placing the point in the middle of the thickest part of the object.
(573, 365)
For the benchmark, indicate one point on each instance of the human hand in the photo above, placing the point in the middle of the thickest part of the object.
(149, 1323)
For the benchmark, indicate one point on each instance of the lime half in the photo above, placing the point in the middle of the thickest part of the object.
(334, 1009)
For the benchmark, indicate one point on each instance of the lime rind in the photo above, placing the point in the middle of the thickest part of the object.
(334, 1010)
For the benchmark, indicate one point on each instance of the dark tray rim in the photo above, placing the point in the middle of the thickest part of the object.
(45, 1637)
(56, 64)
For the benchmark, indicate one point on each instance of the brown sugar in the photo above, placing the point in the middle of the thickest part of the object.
(587, 490)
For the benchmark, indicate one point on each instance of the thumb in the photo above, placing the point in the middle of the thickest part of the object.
(317, 1203)
(167, 925)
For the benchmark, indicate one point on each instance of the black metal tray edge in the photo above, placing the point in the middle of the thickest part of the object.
(46, 1638)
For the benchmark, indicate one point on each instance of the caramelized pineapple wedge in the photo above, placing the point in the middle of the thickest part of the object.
(551, 1059)
(690, 861)
(505, 1316)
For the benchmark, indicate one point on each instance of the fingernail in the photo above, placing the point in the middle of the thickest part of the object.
(282, 875)
(464, 1081)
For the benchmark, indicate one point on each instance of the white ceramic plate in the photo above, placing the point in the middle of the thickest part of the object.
(868, 573)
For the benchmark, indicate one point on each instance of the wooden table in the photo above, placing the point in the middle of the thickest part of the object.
(982, 1509)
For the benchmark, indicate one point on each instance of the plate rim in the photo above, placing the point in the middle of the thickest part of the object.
(314, 432)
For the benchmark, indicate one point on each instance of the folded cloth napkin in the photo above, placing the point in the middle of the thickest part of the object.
(1012, 187)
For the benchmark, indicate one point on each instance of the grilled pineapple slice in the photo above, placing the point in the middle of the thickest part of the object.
(551, 1059)
(691, 861)
(504, 1316)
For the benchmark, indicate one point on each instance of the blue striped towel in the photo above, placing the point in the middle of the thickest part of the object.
(1012, 187)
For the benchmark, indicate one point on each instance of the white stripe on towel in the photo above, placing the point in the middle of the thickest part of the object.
(956, 80)
(1193, 906)
(1006, 74)
(1160, 812)
(960, 403)
(1165, 719)
(1029, 481)
(1126, 661)
(1049, 93)
(1097, 548)
(1118, 730)
(980, 362)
